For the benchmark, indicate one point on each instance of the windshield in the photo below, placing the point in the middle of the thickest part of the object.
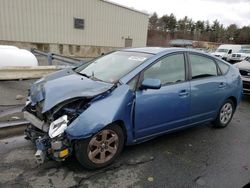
(247, 51)
(112, 67)
(222, 50)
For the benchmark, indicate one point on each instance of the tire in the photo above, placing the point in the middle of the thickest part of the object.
(225, 114)
(98, 152)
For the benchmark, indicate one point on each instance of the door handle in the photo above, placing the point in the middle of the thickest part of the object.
(183, 93)
(222, 85)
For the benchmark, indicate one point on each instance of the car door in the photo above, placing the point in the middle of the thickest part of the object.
(208, 87)
(159, 110)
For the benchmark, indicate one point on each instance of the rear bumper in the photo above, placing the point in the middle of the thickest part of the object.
(234, 60)
(246, 85)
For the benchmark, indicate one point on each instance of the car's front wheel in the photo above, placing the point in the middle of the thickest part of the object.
(225, 114)
(101, 149)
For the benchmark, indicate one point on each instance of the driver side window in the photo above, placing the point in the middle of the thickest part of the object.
(168, 70)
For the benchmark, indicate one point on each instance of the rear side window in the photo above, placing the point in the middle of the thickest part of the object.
(202, 66)
(223, 67)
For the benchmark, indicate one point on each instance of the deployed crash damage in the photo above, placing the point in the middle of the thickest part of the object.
(72, 105)
(126, 97)
(53, 104)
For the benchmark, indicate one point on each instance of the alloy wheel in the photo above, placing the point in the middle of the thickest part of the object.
(226, 113)
(103, 146)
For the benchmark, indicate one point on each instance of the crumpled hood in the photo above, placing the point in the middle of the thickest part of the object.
(63, 85)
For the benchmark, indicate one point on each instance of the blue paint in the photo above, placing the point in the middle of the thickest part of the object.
(114, 107)
(144, 113)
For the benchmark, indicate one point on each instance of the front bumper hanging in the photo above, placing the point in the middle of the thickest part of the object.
(57, 148)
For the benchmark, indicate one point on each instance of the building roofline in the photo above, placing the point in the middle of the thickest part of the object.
(125, 7)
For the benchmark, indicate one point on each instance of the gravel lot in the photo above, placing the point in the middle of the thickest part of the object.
(197, 157)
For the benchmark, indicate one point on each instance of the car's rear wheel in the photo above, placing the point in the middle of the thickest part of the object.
(101, 149)
(225, 114)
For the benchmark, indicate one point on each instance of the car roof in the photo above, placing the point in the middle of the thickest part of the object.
(151, 50)
(157, 50)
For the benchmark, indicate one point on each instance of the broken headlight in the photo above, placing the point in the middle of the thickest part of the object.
(72, 108)
(58, 126)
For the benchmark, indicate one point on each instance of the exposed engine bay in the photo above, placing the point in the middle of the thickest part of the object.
(53, 103)
(46, 130)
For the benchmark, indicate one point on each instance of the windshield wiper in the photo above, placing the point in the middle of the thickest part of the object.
(92, 77)
(83, 74)
(96, 79)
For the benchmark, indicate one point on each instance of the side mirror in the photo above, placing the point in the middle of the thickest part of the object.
(149, 83)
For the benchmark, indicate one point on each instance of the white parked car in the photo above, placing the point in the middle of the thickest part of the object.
(226, 50)
(240, 56)
(244, 68)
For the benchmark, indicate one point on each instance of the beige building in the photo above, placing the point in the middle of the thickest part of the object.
(84, 28)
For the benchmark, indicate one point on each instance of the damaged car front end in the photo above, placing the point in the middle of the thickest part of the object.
(47, 130)
(68, 108)
(127, 97)
(52, 106)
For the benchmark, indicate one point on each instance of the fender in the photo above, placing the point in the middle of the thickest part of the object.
(233, 79)
(116, 106)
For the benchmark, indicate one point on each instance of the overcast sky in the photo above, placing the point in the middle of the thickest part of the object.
(226, 11)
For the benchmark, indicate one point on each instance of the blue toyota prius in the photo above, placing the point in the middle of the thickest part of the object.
(126, 97)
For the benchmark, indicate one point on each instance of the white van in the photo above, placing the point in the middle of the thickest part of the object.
(240, 56)
(226, 50)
